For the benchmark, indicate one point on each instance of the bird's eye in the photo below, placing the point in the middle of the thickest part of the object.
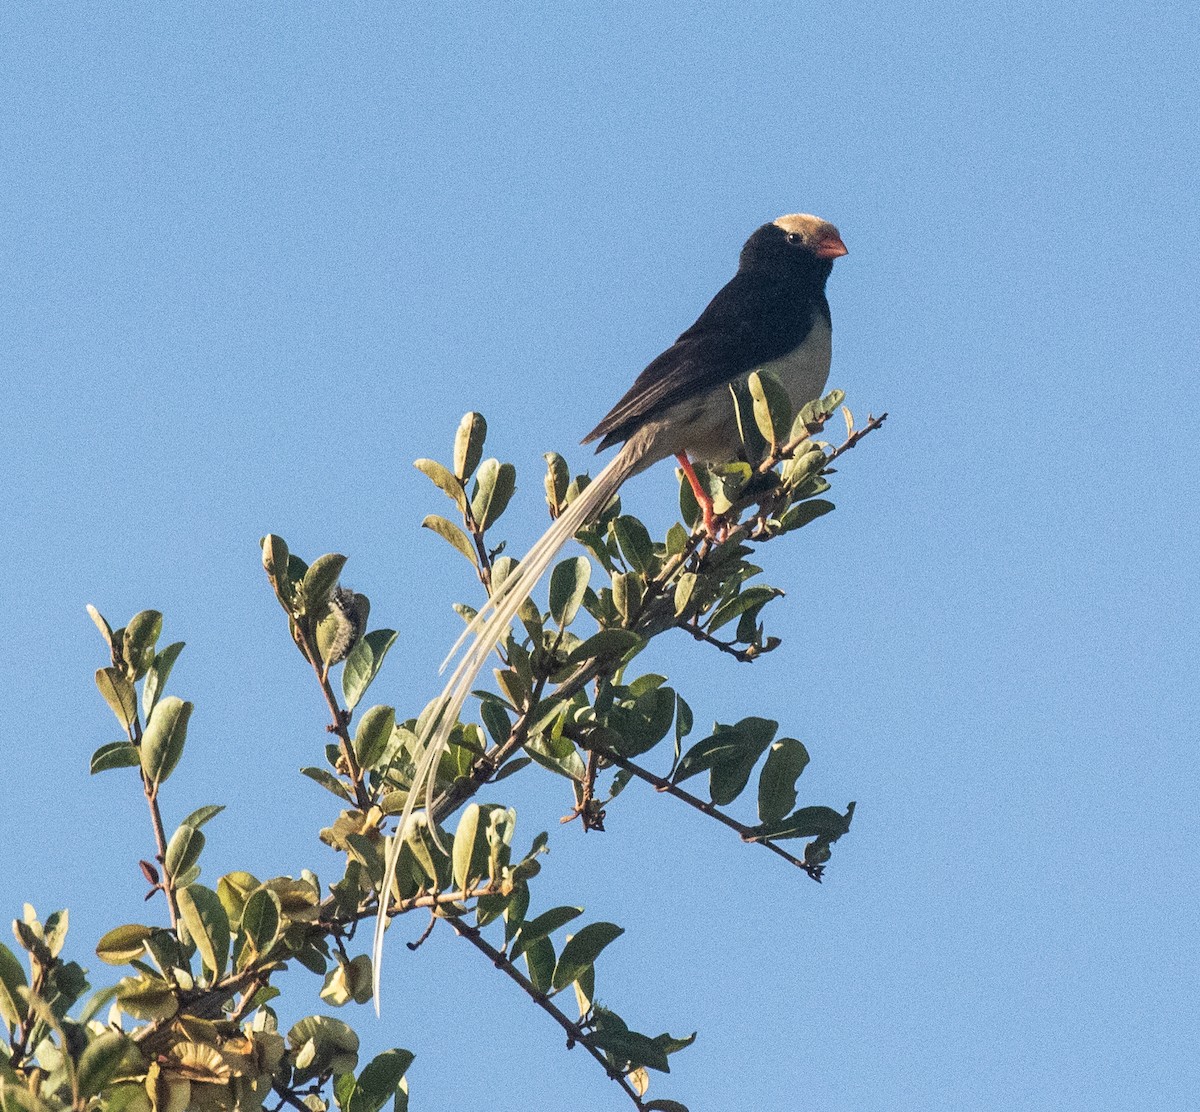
(795, 237)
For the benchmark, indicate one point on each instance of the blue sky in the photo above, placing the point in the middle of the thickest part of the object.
(254, 263)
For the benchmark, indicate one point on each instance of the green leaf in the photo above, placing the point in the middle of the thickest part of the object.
(752, 598)
(726, 744)
(468, 445)
(379, 1081)
(542, 926)
(557, 479)
(804, 512)
(233, 889)
(362, 665)
(119, 694)
(496, 719)
(201, 815)
(777, 783)
(469, 852)
(373, 734)
(147, 997)
(558, 754)
(116, 754)
(318, 583)
(322, 1045)
(262, 917)
(643, 724)
(163, 741)
(448, 531)
(539, 962)
(122, 944)
(568, 582)
(328, 781)
(685, 587)
(277, 563)
(635, 544)
(808, 822)
(156, 676)
(183, 851)
(13, 1005)
(138, 642)
(103, 626)
(607, 643)
(627, 591)
(444, 480)
(207, 923)
(772, 407)
(731, 772)
(582, 950)
(494, 486)
(101, 1061)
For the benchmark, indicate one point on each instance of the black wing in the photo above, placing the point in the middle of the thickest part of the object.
(752, 320)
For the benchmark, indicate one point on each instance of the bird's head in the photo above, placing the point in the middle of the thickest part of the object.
(794, 244)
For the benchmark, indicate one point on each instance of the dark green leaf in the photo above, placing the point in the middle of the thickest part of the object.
(752, 598)
(118, 693)
(808, 822)
(582, 950)
(468, 444)
(726, 744)
(156, 677)
(163, 741)
(542, 926)
(539, 961)
(777, 783)
(207, 924)
(443, 480)
(116, 754)
(568, 582)
(494, 486)
(730, 774)
(496, 719)
(379, 1081)
(804, 512)
(362, 665)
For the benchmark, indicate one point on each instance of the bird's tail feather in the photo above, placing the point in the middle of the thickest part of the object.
(489, 627)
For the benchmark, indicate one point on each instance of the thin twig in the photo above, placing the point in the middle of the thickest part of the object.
(747, 833)
(341, 718)
(575, 1033)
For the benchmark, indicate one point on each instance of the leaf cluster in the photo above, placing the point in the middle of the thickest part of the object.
(191, 1021)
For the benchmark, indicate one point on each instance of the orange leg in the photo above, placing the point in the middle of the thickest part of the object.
(706, 503)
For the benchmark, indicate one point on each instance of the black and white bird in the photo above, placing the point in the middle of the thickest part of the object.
(772, 315)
